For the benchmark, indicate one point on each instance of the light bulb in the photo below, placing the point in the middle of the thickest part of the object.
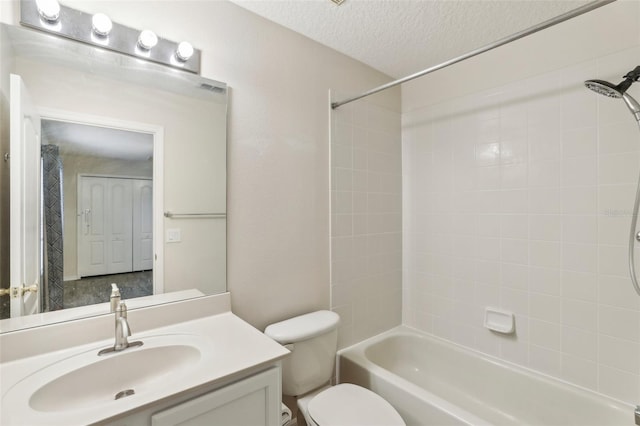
(184, 51)
(101, 24)
(147, 39)
(49, 10)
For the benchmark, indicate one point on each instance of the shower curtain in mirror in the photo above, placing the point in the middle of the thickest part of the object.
(52, 288)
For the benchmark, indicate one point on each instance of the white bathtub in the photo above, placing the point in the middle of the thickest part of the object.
(434, 382)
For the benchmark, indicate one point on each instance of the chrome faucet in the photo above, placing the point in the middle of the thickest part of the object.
(122, 328)
(122, 332)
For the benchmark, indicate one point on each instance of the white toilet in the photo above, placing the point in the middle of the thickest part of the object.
(306, 373)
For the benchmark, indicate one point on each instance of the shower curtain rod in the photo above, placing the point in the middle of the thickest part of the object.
(534, 29)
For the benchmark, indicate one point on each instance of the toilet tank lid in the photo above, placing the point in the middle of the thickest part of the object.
(303, 327)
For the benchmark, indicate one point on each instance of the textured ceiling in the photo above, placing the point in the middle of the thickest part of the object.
(401, 37)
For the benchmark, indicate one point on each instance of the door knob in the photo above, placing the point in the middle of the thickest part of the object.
(19, 291)
(31, 289)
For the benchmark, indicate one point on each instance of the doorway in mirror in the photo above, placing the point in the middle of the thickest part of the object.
(97, 192)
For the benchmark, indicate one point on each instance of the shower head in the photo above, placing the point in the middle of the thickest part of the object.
(605, 88)
(619, 91)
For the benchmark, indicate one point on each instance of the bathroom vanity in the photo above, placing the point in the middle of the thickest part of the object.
(198, 364)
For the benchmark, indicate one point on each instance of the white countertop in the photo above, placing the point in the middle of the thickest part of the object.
(234, 347)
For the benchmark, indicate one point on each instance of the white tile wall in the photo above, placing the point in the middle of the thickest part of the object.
(366, 220)
(520, 197)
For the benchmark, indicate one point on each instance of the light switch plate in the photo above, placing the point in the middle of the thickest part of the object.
(173, 235)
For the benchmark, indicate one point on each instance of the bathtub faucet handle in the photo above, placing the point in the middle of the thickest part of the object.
(637, 413)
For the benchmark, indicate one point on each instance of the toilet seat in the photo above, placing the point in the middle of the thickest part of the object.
(348, 404)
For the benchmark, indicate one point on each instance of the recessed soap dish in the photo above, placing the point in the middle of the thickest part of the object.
(499, 321)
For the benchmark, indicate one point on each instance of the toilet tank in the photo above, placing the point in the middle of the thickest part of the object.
(313, 340)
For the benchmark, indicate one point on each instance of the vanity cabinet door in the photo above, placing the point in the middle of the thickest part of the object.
(249, 402)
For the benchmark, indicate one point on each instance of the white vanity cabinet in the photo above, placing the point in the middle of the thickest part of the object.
(214, 369)
(250, 401)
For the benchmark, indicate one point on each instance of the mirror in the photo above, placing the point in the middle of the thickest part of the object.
(133, 172)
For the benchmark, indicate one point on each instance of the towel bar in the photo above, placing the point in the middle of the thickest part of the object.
(194, 215)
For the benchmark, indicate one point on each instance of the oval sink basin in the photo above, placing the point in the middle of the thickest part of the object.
(86, 379)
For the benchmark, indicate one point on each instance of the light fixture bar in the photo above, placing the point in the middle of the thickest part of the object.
(78, 25)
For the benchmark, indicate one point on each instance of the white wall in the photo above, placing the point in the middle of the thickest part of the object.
(366, 218)
(278, 161)
(518, 189)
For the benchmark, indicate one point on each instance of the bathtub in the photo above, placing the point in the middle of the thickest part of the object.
(434, 382)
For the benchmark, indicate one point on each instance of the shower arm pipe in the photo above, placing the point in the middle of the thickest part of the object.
(531, 30)
(633, 237)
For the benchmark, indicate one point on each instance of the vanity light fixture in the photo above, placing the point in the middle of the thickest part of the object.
(98, 30)
(184, 51)
(101, 24)
(147, 40)
(49, 10)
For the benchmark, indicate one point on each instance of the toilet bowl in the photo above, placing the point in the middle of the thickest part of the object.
(313, 340)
